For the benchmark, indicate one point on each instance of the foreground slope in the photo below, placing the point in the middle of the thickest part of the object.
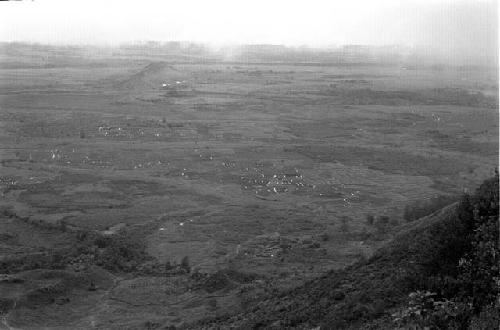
(426, 255)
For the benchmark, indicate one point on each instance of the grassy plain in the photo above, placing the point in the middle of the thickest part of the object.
(267, 168)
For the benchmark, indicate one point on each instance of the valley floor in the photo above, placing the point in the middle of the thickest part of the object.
(263, 176)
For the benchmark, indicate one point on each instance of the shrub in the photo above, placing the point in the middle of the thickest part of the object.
(185, 264)
(370, 219)
(488, 318)
(423, 311)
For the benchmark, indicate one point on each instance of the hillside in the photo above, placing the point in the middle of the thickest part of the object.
(426, 255)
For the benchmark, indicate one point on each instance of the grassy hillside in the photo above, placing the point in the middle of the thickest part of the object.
(438, 272)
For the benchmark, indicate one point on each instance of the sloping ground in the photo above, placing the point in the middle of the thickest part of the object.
(148, 77)
(50, 298)
(360, 293)
(427, 254)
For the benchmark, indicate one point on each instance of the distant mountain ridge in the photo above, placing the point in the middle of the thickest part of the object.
(189, 52)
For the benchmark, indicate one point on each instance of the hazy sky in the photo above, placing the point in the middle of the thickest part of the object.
(457, 25)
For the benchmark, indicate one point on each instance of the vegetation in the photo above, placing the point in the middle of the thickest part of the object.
(96, 141)
(382, 225)
(370, 219)
(420, 209)
(424, 311)
(120, 252)
(439, 96)
(185, 264)
(439, 273)
(461, 276)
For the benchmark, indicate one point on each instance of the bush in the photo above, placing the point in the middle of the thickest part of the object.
(425, 311)
(488, 318)
(370, 219)
(185, 264)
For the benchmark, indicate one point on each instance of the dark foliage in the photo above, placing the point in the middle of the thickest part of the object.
(439, 96)
(120, 252)
(370, 219)
(185, 264)
(478, 268)
(463, 273)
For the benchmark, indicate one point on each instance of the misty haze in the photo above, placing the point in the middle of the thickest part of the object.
(249, 165)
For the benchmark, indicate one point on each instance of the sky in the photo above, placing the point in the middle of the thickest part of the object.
(469, 26)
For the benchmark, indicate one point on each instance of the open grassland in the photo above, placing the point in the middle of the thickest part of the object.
(272, 168)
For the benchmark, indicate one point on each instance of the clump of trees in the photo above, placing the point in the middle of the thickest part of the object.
(120, 252)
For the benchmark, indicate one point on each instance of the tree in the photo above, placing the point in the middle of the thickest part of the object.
(185, 264)
(370, 219)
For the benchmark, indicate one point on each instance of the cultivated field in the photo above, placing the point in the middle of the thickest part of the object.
(263, 175)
